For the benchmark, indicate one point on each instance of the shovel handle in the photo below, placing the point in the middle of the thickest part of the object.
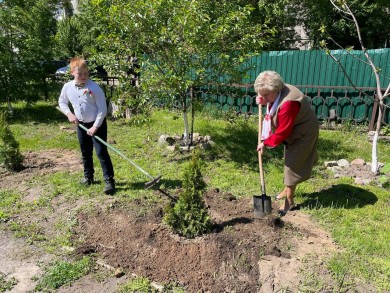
(259, 153)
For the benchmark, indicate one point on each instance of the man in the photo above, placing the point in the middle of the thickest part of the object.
(90, 109)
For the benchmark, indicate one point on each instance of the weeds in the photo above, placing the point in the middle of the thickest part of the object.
(63, 272)
(7, 285)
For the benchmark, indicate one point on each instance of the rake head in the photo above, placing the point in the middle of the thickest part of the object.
(152, 182)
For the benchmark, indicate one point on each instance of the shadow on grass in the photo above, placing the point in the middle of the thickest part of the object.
(39, 113)
(167, 183)
(330, 150)
(238, 143)
(339, 196)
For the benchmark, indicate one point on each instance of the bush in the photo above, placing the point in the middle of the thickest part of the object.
(189, 217)
(10, 155)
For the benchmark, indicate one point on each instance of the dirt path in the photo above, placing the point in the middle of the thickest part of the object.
(20, 261)
(241, 255)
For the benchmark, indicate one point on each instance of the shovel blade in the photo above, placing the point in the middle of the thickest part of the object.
(261, 205)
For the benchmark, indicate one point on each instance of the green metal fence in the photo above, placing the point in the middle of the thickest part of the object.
(332, 95)
(315, 67)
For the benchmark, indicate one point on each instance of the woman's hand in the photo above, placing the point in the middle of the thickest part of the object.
(260, 100)
(260, 148)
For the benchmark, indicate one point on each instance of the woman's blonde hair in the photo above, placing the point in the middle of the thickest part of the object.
(78, 62)
(268, 81)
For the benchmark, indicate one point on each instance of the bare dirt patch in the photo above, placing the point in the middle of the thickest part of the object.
(242, 254)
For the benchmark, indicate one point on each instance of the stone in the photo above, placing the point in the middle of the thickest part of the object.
(119, 272)
(330, 163)
(170, 140)
(206, 146)
(162, 140)
(171, 148)
(358, 162)
(185, 148)
(195, 136)
(207, 138)
(362, 181)
(343, 163)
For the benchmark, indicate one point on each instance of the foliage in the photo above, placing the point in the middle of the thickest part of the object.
(189, 217)
(26, 39)
(343, 8)
(10, 154)
(282, 15)
(7, 285)
(385, 169)
(68, 38)
(370, 15)
(63, 272)
(137, 285)
(181, 45)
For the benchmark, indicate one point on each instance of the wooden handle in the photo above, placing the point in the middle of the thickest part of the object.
(259, 153)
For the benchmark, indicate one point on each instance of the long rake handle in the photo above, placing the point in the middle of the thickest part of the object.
(259, 153)
(118, 152)
(115, 150)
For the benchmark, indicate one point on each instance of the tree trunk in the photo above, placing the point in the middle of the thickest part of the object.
(185, 135)
(374, 155)
(10, 108)
(185, 118)
(192, 116)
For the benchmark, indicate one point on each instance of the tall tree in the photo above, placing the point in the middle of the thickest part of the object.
(27, 28)
(69, 37)
(343, 7)
(182, 44)
(370, 14)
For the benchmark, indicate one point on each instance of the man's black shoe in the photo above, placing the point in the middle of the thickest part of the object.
(110, 187)
(86, 181)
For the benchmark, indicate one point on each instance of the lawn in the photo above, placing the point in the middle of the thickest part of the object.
(356, 216)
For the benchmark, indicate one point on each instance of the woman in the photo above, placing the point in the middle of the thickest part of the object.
(289, 121)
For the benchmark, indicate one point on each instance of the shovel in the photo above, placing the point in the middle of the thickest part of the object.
(261, 203)
(152, 182)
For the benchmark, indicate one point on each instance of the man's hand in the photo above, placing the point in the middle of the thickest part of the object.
(260, 148)
(72, 118)
(92, 131)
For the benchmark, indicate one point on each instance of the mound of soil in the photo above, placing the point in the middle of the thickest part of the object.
(226, 260)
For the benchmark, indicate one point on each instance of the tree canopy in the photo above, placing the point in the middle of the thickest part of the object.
(27, 31)
(372, 15)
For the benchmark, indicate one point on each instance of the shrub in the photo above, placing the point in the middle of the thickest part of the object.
(189, 217)
(10, 154)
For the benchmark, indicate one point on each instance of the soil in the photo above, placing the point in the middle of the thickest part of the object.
(242, 254)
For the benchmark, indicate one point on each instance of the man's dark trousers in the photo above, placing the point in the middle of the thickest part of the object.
(87, 143)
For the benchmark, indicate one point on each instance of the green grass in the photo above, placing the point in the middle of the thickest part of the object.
(63, 272)
(139, 285)
(356, 216)
(7, 285)
(144, 285)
